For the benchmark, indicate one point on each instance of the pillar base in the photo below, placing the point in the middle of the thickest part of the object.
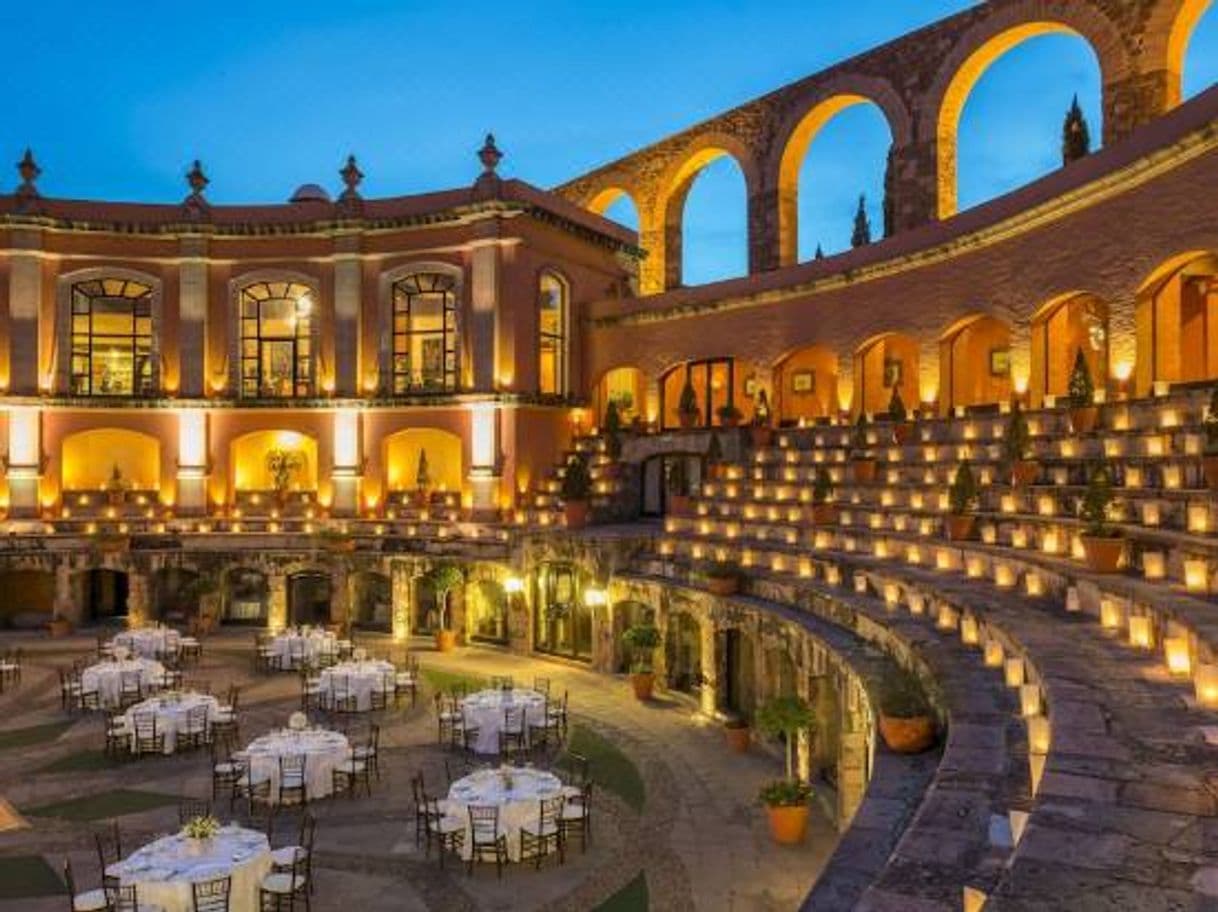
(23, 493)
(191, 495)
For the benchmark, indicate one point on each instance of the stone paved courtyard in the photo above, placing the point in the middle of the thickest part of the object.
(700, 837)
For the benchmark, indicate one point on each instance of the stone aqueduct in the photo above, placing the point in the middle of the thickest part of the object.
(920, 82)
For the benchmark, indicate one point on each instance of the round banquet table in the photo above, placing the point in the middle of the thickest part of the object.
(170, 710)
(292, 647)
(150, 641)
(163, 871)
(363, 677)
(484, 710)
(518, 806)
(107, 677)
(323, 750)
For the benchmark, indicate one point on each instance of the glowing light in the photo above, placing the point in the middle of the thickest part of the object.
(1177, 654)
(1196, 575)
(1205, 684)
(1141, 632)
(513, 585)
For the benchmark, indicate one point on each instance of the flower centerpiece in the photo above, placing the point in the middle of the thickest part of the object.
(199, 831)
(507, 779)
(298, 721)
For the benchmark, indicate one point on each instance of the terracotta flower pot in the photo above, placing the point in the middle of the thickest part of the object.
(644, 683)
(862, 470)
(1024, 472)
(825, 514)
(723, 585)
(678, 504)
(902, 431)
(576, 512)
(1210, 466)
(737, 738)
(960, 528)
(1103, 554)
(761, 434)
(907, 736)
(788, 823)
(422, 498)
(688, 419)
(1084, 418)
(446, 640)
(729, 421)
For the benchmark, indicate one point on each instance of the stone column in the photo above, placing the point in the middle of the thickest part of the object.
(192, 317)
(137, 599)
(348, 274)
(710, 667)
(24, 465)
(764, 252)
(24, 306)
(915, 185)
(484, 307)
(67, 607)
(277, 599)
(340, 594)
(401, 590)
(346, 473)
(852, 760)
(1136, 100)
(192, 462)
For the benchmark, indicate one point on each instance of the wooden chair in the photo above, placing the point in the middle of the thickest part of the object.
(485, 837)
(370, 750)
(546, 838)
(212, 895)
(88, 901)
(343, 698)
(576, 817)
(148, 738)
(195, 731)
(283, 858)
(380, 694)
(407, 681)
(348, 775)
(293, 787)
(449, 832)
(513, 736)
(130, 688)
(280, 890)
(448, 718)
(545, 730)
(190, 808)
(109, 844)
(502, 682)
(255, 791)
(125, 899)
(226, 771)
(542, 685)
(118, 737)
(559, 712)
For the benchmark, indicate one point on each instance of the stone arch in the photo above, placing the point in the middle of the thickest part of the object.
(800, 129)
(1168, 32)
(90, 458)
(880, 363)
(625, 384)
(805, 384)
(248, 459)
(603, 200)
(372, 600)
(245, 595)
(991, 38)
(27, 596)
(1060, 328)
(401, 459)
(683, 652)
(974, 362)
(1176, 315)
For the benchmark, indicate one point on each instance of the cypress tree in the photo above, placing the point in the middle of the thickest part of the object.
(862, 226)
(1076, 136)
(889, 206)
(820, 254)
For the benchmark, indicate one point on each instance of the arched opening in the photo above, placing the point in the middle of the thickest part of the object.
(1060, 330)
(975, 363)
(27, 598)
(780, 672)
(246, 597)
(739, 666)
(562, 623)
(174, 596)
(716, 385)
(1193, 47)
(882, 364)
(626, 614)
(1001, 132)
(838, 151)
(1177, 322)
(683, 653)
(103, 594)
(487, 605)
(276, 462)
(625, 386)
(111, 459)
(372, 601)
(309, 594)
(402, 452)
(553, 335)
(706, 220)
(617, 205)
(806, 385)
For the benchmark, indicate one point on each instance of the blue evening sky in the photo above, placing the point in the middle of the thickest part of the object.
(116, 99)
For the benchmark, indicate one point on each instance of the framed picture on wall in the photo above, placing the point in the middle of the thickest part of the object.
(1000, 362)
(892, 372)
(750, 387)
(803, 381)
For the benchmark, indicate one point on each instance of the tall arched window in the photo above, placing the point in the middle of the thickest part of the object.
(552, 336)
(425, 333)
(111, 338)
(276, 340)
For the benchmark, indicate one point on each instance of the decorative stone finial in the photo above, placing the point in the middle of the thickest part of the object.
(489, 154)
(29, 171)
(197, 180)
(351, 175)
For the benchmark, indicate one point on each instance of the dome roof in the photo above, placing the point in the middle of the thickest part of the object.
(310, 193)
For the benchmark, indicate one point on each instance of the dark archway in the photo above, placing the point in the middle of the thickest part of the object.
(246, 596)
(27, 598)
(372, 601)
(309, 593)
(174, 597)
(104, 594)
(683, 653)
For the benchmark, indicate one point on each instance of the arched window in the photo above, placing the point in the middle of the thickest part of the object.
(552, 336)
(276, 340)
(425, 333)
(111, 338)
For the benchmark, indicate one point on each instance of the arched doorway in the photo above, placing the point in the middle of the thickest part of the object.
(625, 386)
(805, 386)
(739, 672)
(683, 653)
(372, 601)
(27, 598)
(881, 364)
(488, 609)
(246, 597)
(174, 597)
(1177, 320)
(104, 594)
(626, 614)
(716, 384)
(309, 593)
(1062, 328)
(562, 623)
(974, 363)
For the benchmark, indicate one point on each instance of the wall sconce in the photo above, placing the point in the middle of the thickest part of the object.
(513, 585)
(595, 597)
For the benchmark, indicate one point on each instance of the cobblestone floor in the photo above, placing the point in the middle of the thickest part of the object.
(700, 838)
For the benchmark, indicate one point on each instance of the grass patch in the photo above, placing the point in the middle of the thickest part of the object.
(83, 762)
(611, 768)
(27, 876)
(103, 805)
(631, 898)
(447, 680)
(35, 734)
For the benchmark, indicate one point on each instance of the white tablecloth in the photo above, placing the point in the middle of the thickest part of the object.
(171, 713)
(362, 677)
(164, 870)
(106, 677)
(323, 750)
(518, 806)
(291, 647)
(484, 711)
(150, 641)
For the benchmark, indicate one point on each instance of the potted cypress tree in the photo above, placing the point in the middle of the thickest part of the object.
(422, 481)
(760, 430)
(906, 723)
(723, 577)
(688, 413)
(1016, 445)
(961, 496)
(1084, 413)
(862, 461)
(678, 488)
(444, 579)
(1102, 544)
(575, 491)
(824, 512)
(613, 439)
(642, 640)
(902, 427)
(786, 800)
(729, 415)
(1209, 462)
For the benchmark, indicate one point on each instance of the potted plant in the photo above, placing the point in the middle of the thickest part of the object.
(729, 415)
(824, 512)
(613, 439)
(422, 481)
(1210, 460)
(444, 579)
(116, 487)
(786, 800)
(678, 487)
(642, 640)
(282, 466)
(760, 430)
(902, 427)
(961, 496)
(1084, 413)
(198, 833)
(688, 412)
(723, 577)
(736, 732)
(575, 491)
(1102, 544)
(715, 465)
(906, 723)
(862, 461)
(1016, 444)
